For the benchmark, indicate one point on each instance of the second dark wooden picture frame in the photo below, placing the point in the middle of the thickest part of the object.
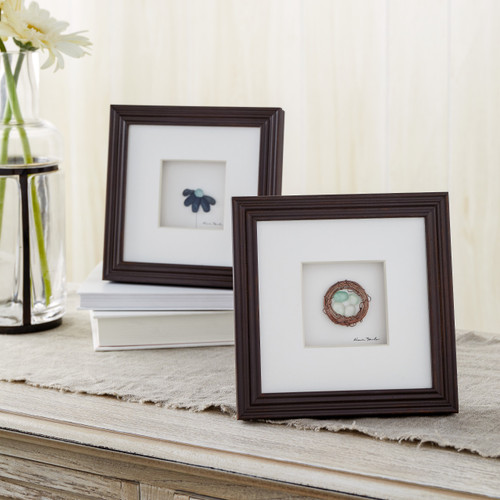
(184, 237)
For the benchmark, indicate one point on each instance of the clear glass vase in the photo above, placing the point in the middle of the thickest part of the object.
(32, 258)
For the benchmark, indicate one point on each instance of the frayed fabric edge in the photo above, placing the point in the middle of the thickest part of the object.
(302, 424)
(464, 337)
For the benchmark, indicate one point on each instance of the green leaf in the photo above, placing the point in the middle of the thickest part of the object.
(28, 46)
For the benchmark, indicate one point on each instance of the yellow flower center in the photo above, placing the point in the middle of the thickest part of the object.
(31, 27)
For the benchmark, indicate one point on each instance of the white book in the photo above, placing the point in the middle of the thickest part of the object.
(98, 294)
(122, 330)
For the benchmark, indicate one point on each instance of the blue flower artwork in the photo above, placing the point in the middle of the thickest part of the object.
(197, 198)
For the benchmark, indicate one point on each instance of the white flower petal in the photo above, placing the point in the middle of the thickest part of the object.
(71, 49)
(49, 61)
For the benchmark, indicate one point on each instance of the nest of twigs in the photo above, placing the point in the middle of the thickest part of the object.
(340, 319)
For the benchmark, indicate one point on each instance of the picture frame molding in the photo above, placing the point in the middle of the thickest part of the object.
(270, 121)
(442, 397)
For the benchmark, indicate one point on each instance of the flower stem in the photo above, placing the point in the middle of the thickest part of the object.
(37, 216)
(15, 109)
(4, 154)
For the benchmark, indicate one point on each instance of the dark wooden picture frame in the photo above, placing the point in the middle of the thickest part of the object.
(441, 397)
(270, 122)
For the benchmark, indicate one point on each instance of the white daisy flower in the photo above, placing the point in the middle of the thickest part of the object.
(33, 29)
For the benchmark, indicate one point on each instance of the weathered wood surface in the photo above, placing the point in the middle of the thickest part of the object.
(216, 445)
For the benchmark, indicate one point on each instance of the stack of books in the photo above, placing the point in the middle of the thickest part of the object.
(126, 316)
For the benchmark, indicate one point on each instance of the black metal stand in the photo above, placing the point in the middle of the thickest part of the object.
(27, 326)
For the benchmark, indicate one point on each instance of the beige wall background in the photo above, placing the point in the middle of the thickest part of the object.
(379, 95)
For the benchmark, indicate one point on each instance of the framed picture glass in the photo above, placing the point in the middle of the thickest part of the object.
(344, 305)
(172, 172)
